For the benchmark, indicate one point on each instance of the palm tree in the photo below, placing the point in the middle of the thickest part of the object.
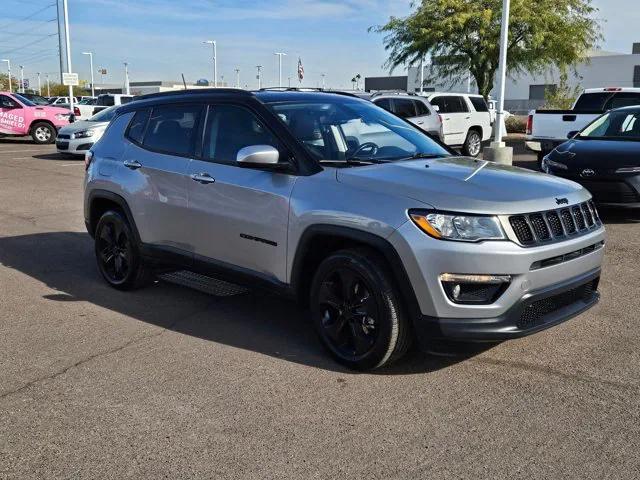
(353, 82)
(358, 77)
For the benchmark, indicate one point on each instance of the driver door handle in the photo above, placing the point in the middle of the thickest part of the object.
(203, 178)
(132, 164)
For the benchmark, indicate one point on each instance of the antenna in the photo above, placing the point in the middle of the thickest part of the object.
(183, 82)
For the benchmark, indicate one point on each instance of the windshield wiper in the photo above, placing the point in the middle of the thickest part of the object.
(418, 155)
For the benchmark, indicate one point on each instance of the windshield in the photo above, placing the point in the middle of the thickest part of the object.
(615, 125)
(104, 115)
(352, 131)
(24, 100)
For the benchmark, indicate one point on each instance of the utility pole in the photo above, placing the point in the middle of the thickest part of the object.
(126, 79)
(289, 78)
(237, 70)
(498, 151)
(215, 61)
(93, 90)
(280, 55)
(48, 89)
(68, 50)
(39, 88)
(259, 76)
(59, 39)
(9, 70)
(21, 89)
(323, 75)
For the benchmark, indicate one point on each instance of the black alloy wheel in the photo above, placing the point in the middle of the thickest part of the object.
(117, 255)
(349, 312)
(357, 311)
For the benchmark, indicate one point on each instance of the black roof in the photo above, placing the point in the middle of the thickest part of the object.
(275, 96)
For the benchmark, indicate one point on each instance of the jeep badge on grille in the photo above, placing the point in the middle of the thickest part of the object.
(562, 201)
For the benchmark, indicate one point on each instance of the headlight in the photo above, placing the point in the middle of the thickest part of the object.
(547, 164)
(84, 134)
(460, 227)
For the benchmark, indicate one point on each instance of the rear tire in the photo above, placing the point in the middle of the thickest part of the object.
(117, 253)
(473, 144)
(357, 311)
(43, 133)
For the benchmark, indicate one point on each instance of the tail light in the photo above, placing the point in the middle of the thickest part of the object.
(88, 156)
(529, 124)
(76, 111)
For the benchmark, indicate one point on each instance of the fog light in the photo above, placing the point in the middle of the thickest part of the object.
(474, 289)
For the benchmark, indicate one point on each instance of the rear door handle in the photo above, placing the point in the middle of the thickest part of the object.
(203, 178)
(132, 164)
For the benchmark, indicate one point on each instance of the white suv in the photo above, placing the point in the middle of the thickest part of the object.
(465, 118)
(413, 109)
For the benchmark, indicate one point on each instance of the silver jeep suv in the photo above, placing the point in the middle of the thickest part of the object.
(386, 235)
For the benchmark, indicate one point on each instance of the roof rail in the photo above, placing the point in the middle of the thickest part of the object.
(393, 92)
(307, 89)
(195, 91)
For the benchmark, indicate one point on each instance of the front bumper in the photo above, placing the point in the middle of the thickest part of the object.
(534, 312)
(533, 278)
(77, 146)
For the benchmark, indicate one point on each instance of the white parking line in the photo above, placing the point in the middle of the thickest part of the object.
(2, 152)
(72, 164)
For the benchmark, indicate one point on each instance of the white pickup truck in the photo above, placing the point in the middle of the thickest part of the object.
(546, 129)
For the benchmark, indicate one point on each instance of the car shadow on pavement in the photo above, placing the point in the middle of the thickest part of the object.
(255, 321)
(58, 156)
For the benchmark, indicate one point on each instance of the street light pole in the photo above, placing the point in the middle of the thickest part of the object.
(93, 90)
(68, 49)
(237, 70)
(215, 61)
(280, 55)
(9, 70)
(323, 75)
(259, 76)
(48, 89)
(502, 65)
(498, 151)
(421, 75)
(39, 88)
(126, 78)
(21, 89)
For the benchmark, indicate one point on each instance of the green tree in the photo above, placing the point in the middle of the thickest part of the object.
(463, 35)
(562, 95)
(4, 82)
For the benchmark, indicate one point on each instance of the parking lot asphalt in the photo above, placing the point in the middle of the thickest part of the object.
(168, 382)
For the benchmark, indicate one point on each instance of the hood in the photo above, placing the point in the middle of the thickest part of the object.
(599, 155)
(52, 110)
(466, 185)
(83, 125)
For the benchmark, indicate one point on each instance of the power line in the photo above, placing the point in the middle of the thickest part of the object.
(4, 52)
(2, 27)
(28, 31)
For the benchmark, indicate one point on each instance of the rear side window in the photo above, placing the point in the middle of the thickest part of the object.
(591, 101)
(404, 108)
(457, 104)
(623, 99)
(105, 101)
(421, 108)
(479, 104)
(440, 103)
(384, 103)
(124, 100)
(172, 129)
(138, 125)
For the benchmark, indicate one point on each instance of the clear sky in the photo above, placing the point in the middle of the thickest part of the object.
(160, 39)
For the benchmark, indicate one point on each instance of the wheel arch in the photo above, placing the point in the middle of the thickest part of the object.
(101, 201)
(38, 121)
(319, 241)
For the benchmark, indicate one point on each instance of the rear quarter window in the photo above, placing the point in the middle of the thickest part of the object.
(479, 104)
(138, 124)
(421, 108)
(591, 101)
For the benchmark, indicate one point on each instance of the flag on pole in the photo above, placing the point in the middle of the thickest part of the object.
(300, 70)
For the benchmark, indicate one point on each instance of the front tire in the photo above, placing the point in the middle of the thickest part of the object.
(117, 253)
(473, 144)
(43, 133)
(357, 311)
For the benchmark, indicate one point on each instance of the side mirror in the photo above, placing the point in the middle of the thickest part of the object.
(258, 155)
(436, 108)
(572, 134)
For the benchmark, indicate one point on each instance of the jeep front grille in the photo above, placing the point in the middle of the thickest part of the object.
(554, 225)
